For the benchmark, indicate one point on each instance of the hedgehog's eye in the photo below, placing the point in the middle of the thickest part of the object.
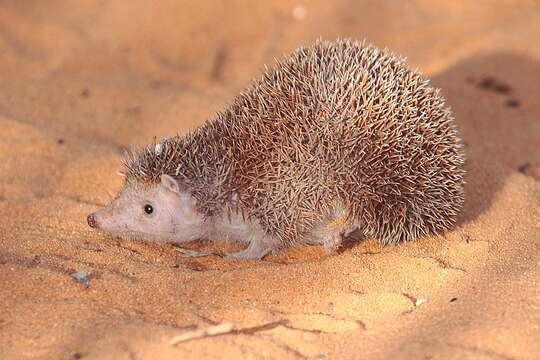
(148, 209)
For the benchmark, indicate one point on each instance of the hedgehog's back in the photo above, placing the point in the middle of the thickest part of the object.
(344, 121)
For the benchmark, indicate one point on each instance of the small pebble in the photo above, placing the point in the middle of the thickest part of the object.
(299, 12)
(81, 277)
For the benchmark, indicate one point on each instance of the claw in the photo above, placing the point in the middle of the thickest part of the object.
(253, 251)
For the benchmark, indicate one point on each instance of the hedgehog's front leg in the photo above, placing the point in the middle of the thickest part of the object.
(257, 249)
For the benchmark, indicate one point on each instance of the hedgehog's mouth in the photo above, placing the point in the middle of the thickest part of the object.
(137, 235)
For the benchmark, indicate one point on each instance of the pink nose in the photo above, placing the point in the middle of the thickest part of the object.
(91, 220)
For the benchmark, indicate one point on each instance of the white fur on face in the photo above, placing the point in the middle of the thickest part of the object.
(173, 216)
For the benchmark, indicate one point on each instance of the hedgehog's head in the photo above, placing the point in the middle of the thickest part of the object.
(163, 212)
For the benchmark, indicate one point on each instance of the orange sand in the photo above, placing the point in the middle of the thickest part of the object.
(81, 80)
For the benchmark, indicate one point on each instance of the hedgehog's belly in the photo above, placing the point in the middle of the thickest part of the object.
(235, 228)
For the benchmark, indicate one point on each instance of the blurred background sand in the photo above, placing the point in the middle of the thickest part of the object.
(82, 80)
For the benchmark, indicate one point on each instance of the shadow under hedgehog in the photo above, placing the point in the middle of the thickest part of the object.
(337, 136)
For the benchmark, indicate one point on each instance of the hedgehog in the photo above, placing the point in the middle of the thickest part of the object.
(337, 137)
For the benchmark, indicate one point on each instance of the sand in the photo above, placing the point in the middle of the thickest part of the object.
(80, 81)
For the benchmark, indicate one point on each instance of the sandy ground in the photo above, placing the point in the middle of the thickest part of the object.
(82, 80)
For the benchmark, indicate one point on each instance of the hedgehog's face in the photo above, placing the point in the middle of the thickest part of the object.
(161, 212)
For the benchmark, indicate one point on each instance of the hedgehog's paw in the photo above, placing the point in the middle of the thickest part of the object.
(255, 250)
(330, 239)
(331, 243)
(332, 234)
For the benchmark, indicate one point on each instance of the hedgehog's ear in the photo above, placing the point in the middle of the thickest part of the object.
(170, 183)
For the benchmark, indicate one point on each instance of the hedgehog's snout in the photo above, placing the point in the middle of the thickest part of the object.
(92, 220)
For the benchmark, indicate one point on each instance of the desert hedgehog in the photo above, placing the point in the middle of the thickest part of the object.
(337, 136)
